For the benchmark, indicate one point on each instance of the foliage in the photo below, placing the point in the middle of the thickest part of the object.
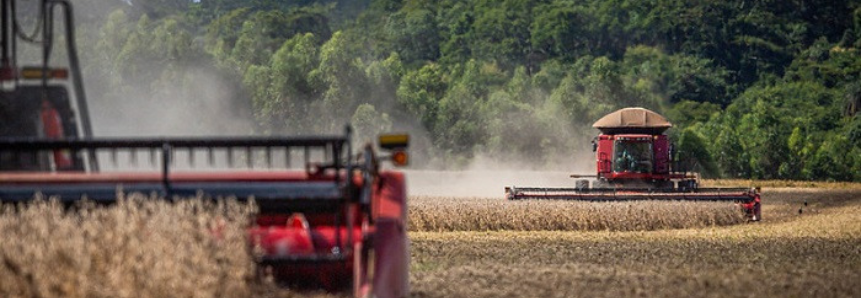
(762, 89)
(369, 123)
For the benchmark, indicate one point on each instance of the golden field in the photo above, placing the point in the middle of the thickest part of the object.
(137, 248)
(813, 254)
(461, 247)
(447, 214)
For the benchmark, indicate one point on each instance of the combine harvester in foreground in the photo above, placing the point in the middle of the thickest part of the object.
(336, 223)
(635, 162)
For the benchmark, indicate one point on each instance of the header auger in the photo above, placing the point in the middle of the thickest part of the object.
(635, 161)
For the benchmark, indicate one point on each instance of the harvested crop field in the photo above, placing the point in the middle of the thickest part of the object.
(816, 253)
(461, 247)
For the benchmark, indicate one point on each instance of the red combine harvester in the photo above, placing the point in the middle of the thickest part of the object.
(336, 223)
(635, 161)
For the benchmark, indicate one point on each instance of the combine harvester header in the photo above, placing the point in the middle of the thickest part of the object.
(318, 227)
(635, 161)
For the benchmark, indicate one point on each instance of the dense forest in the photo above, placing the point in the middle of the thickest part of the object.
(765, 89)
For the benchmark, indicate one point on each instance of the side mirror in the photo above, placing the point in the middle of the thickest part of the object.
(396, 144)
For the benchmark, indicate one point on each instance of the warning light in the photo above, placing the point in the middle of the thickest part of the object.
(400, 158)
(397, 144)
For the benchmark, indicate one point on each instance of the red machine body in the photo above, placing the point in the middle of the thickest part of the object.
(635, 161)
(632, 151)
(316, 230)
(314, 237)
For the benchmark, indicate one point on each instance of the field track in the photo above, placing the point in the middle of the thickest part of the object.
(461, 247)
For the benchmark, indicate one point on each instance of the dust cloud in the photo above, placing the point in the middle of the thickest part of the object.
(479, 183)
(488, 178)
(198, 100)
(206, 108)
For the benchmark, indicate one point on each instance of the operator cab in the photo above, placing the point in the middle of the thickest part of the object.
(633, 159)
(633, 155)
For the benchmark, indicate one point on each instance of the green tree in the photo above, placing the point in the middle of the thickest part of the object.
(414, 34)
(691, 146)
(284, 90)
(500, 31)
(728, 150)
(244, 37)
(687, 113)
(343, 72)
(160, 8)
(420, 91)
(831, 159)
(223, 33)
(369, 123)
(800, 148)
(558, 30)
(460, 126)
(456, 22)
(383, 79)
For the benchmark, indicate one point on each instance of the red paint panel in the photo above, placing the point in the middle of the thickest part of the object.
(635, 176)
(390, 197)
(297, 241)
(662, 154)
(605, 154)
(391, 278)
(52, 125)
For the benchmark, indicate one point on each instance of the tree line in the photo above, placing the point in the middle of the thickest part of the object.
(764, 89)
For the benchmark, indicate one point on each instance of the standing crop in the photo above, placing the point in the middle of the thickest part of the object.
(485, 214)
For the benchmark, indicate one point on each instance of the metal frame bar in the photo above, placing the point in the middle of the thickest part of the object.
(629, 194)
(642, 190)
(167, 146)
(33, 144)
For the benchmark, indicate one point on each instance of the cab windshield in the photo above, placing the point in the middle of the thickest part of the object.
(633, 156)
